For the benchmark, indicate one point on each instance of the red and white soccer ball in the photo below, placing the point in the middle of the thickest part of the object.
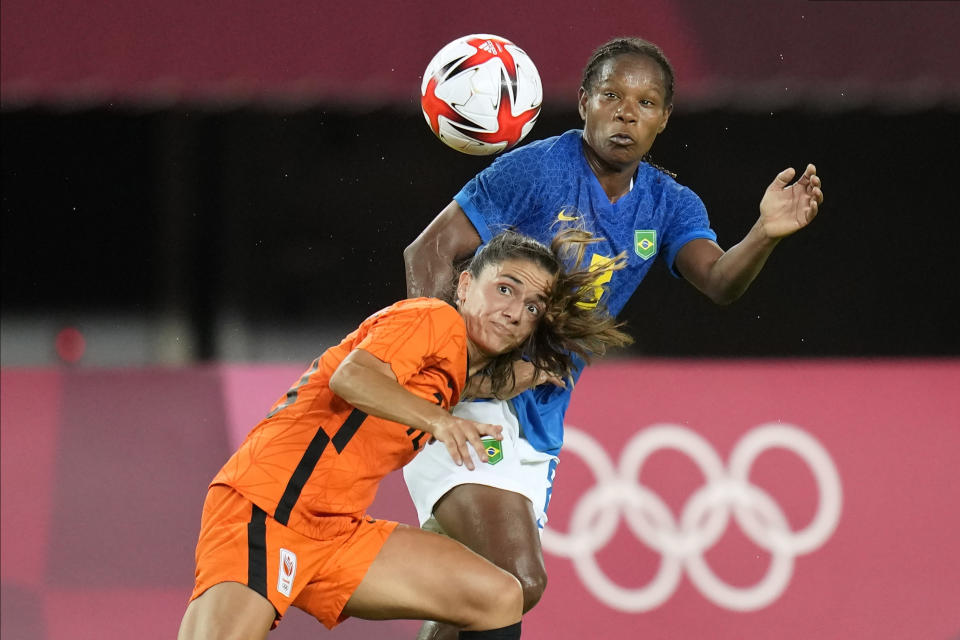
(481, 94)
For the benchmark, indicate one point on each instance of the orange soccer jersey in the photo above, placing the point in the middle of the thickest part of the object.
(314, 463)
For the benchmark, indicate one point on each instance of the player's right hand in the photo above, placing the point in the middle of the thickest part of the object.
(460, 434)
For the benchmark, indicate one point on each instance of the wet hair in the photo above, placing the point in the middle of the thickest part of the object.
(573, 321)
(638, 47)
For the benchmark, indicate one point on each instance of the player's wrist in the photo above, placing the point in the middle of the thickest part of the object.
(764, 233)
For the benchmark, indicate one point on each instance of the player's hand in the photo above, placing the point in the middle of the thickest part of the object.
(787, 208)
(525, 376)
(459, 434)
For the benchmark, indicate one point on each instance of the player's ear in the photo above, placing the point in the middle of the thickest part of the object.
(463, 283)
(582, 103)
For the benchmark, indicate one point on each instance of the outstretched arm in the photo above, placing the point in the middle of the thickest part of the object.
(429, 259)
(370, 385)
(784, 209)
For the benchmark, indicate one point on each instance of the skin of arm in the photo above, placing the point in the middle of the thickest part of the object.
(429, 259)
(785, 208)
(370, 385)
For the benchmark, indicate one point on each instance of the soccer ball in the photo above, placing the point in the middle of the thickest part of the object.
(481, 94)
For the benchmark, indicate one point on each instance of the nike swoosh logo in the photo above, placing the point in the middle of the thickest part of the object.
(563, 217)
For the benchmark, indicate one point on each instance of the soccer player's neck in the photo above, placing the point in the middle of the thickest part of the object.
(615, 179)
(616, 185)
(476, 358)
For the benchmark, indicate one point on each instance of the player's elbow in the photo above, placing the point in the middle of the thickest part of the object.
(413, 266)
(724, 297)
(723, 290)
(342, 380)
(410, 253)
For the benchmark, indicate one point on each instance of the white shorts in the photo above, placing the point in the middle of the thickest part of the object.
(523, 469)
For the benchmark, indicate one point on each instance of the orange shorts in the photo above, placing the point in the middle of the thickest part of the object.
(239, 542)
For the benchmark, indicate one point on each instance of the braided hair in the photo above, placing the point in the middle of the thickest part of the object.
(631, 46)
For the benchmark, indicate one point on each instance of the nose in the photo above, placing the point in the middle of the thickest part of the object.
(626, 112)
(513, 310)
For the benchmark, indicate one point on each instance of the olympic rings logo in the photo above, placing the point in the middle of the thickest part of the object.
(704, 517)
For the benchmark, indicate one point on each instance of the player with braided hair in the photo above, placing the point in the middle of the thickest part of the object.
(599, 179)
(634, 46)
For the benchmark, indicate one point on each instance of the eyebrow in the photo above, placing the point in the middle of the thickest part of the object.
(540, 296)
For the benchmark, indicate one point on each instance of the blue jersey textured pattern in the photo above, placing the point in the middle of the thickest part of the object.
(546, 185)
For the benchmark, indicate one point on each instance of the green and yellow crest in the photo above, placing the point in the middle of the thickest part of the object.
(645, 242)
(494, 450)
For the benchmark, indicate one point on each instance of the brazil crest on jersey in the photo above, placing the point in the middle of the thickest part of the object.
(546, 185)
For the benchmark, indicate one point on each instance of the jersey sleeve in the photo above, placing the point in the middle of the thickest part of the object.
(689, 222)
(503, 194)
(416, 336)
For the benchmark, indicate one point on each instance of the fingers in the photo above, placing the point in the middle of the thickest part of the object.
(809, 182)
(813, 204)
(492, 431)
(545, 376)
(470, 436)
(816, 196)
(474, 439)
(816, 188)
(783, 179)
(453, 448)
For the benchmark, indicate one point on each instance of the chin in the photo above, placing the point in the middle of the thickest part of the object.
(495, 349)
(623, 155)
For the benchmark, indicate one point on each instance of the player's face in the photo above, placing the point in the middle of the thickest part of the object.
(501, 306)
(624, 111)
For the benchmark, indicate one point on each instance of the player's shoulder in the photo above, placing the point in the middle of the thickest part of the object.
(434, 323)
(439, 310)
(655, 181)
(544, 148)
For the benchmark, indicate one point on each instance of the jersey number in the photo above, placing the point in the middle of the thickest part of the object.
(597, 262)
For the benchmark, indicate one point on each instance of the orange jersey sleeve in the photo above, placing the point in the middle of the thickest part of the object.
(317, 457)
(426, 347)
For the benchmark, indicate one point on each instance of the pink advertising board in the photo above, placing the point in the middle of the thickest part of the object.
(758, 500)
(720, 499)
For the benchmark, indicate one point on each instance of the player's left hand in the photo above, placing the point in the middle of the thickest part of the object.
(787, 208)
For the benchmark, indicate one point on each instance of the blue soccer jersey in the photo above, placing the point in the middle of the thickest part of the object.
(546, 185)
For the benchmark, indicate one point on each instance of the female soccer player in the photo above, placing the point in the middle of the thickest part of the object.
(285, 522)
(598, 178)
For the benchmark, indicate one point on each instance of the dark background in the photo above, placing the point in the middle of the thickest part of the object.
(302, 215)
